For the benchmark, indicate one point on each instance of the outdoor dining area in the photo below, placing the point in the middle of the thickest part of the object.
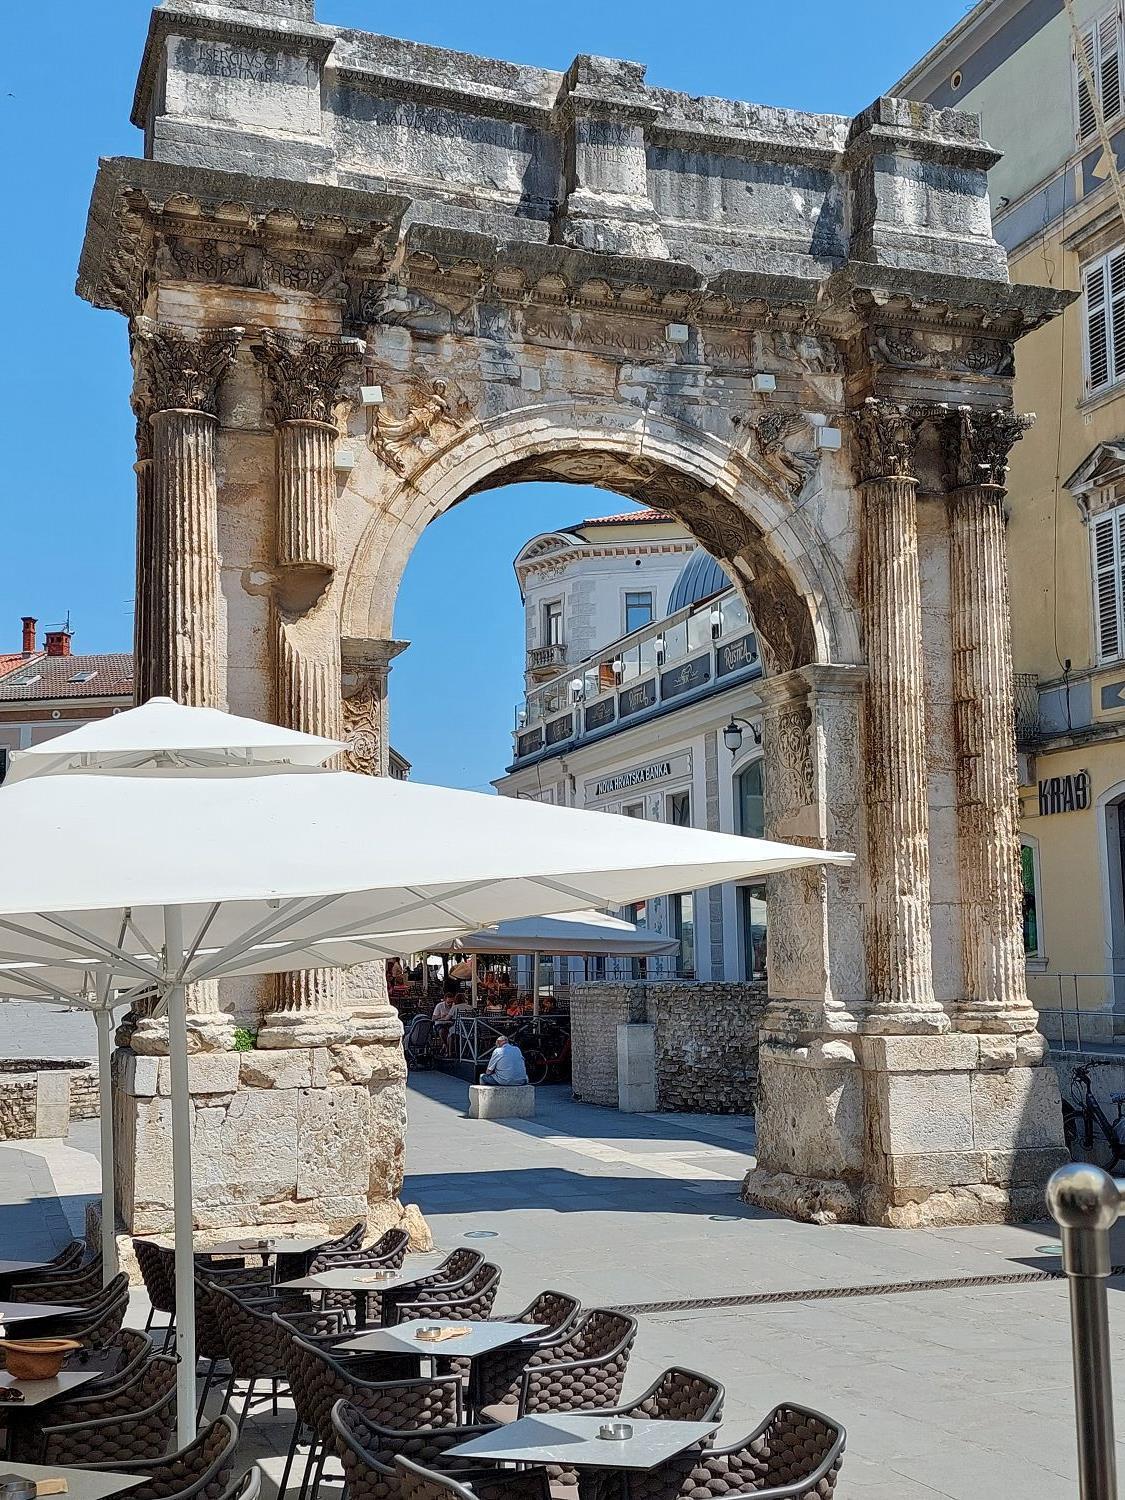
(400, 1377)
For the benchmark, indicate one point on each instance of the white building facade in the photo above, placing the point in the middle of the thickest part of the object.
(639, 723)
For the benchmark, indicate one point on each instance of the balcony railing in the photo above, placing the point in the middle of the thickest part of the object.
(1028, 731)
(546, 659)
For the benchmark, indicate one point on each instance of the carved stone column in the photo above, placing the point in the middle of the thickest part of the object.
(898, 928)
(977, 448)
(304, 378)
(176, 632)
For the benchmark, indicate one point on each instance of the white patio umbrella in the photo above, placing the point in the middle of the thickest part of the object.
(169, 849)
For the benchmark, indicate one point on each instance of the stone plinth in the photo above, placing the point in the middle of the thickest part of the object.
(515, 1102)
(294, 1139)
(906, 1131)
(636, 1068)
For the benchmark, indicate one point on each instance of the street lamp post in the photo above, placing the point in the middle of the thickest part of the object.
(732, 734)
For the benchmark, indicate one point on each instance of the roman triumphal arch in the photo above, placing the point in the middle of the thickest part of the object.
(364, 279)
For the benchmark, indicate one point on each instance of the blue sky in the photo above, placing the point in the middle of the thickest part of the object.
(66, 486)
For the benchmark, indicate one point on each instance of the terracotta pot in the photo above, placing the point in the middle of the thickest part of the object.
(35, 1359)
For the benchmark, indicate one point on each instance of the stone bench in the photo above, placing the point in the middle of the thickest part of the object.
(514, 1102)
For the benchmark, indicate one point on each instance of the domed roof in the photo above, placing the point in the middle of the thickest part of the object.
(701, 577)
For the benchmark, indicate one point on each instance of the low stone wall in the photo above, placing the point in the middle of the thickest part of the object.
(706, 1037)
(40, 1096)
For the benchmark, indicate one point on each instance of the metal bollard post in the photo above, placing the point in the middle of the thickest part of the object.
(1085, 1202)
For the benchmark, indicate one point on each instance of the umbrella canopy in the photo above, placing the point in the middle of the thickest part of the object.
(581, 932)
(169, 845)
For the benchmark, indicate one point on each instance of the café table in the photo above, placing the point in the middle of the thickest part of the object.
(39, 1393)
(572, 1440)
(33, 1312)
(364, 1281)
(12, 1268)
(81, 1484)
(404, 1338)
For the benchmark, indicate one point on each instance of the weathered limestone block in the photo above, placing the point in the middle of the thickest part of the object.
(388, 1140)
(332, 1142)
(512, 1103)
(284, 1068)
(244, 1149)
(208, 1073)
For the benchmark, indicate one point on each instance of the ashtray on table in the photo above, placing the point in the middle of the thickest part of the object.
(615, 1431)
(377, 1276)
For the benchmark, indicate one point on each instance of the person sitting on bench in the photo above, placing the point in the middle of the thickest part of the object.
(506, 1068)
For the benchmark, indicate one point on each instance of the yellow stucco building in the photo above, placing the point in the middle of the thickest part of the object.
(1048, 80)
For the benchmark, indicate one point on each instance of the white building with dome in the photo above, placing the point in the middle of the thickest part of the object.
(640, 658)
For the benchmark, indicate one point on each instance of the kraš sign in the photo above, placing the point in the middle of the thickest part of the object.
(1059, 794)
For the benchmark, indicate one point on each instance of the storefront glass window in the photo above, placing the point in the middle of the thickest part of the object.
(748, 794)
(1030, 901)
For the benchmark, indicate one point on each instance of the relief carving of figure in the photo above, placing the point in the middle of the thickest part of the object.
(770, 431)
(395, 441)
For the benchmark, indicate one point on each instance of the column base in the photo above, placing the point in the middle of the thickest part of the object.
(897, 1021)
(1009, 1021)
(211, 1031)
(906, 1131)
(294, 1028)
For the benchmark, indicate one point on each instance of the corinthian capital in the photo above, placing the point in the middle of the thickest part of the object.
(304, 374)
(180, 371)
(977, 445)
(884, 438)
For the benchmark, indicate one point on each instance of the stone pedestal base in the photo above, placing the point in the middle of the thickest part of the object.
(302, 1140)
(906, 1131)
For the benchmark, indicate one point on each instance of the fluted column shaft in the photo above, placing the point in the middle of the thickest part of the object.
(991, 881)
(306, 521)
(144, 602)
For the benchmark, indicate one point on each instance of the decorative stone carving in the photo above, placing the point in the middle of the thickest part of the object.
(914, 349)
(305, 375)
(182, 371)
(977, 445)
(884, 439)
(363, 730)
(430, 403)
(793, 467)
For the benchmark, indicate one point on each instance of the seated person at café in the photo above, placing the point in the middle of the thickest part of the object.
(506, 1067)
(446, 1011)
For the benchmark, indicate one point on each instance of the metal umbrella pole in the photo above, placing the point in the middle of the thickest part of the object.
(1085, 1203)
(104, 1021)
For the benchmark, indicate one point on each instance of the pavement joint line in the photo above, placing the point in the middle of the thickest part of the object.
(874, 1289)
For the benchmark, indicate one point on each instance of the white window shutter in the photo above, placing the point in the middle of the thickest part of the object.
(1107, 560)
(1109, 64)
(1097, 327)
(1087, 120)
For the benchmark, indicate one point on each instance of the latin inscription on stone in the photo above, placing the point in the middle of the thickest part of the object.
(215, 60)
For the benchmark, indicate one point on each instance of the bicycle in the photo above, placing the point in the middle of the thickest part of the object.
(1089, 1133)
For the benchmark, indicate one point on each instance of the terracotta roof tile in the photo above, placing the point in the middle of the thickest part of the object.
(624, 519)
(44, 677)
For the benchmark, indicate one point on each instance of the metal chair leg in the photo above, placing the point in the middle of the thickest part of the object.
(319, 1475)
(274, 1384)
(310, 1465)
(246, 1404)
(229, 1392)
(289, 1457)
(208, 1378)
(151, 1315)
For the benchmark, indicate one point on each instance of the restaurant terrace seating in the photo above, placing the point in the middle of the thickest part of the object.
(462, 1301)
(200, 1471)
(676, 1396)
(419, 1483)
(454, 1270)
(157, 1266)
(368, 1451)
(291, 1266)
(387, 1253)
(133, 1421)
(80, 1285)
(125, 1354)
(583, 1367)
(554, 1310)
(99, 1321)
(69, 1264)
(795, 1454)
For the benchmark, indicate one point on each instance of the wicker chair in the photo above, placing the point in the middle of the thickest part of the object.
(99, 1322)
(318, 1379)
(80, 1286)
(201, 1471)
(288, 1267)
(126, 1353)
(247, 1486)
(468, 1300)
(794, 1455)
(134, 1421)
(453, 1270)
(69, 1263)
(368, 1452)
(584, 1367)
(554, 1310)
(371, 1258)
(253, 1343)
(676, 1396)
(418, 1483)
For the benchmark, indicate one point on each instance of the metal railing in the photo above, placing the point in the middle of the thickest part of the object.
(1086, 1202)
(1028, 728)
(1076, 1010)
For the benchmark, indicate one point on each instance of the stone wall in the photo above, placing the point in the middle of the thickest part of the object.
(706, 1038)
(40, 1096)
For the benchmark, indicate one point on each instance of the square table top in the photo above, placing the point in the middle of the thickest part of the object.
(361, 1278)
(26, 1312)
(403, 1337)
(82, 1484)
(571, 1438)
(17, 1267)
(35, 1392)
(264, 1245)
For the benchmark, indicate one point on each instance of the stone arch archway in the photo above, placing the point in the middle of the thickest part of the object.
(757, 319)
(793, 584)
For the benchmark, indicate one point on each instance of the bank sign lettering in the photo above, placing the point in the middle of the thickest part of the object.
(629, 779)
(1058, 794)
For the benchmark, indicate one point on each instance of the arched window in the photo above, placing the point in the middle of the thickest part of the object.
(751, 898)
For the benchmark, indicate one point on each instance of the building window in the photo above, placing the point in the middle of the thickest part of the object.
(749, 806)
(1103, 282)
(1032, 920)
(638, 611)
(638, 915)
(552, 623)
(683, 930)
(1108, 567)
(633, 810)
(752, 913)
(1101, 46)
(678, 809)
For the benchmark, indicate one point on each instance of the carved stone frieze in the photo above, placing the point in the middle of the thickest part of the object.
(305, 375)
(772, 431)
(977, 445)
(884, 439)
(181, 371)
(789, 782)
(363, 721)
(946, 353)
(430, 404)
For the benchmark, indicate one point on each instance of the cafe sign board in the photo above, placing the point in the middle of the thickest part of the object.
(1059, 794)
(636, 778)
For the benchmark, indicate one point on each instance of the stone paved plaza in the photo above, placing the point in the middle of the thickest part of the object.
(957, 1393)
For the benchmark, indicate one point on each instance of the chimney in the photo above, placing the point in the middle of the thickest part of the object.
(57, 641)
(29, 624)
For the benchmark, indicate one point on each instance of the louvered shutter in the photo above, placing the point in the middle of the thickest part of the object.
(1097, 327)
(1107, 560)
(1116, 277)
(1087, 120)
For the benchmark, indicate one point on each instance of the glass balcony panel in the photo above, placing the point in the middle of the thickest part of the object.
(698, 630)
(735, 618)
(647, 651)
(676, 642)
